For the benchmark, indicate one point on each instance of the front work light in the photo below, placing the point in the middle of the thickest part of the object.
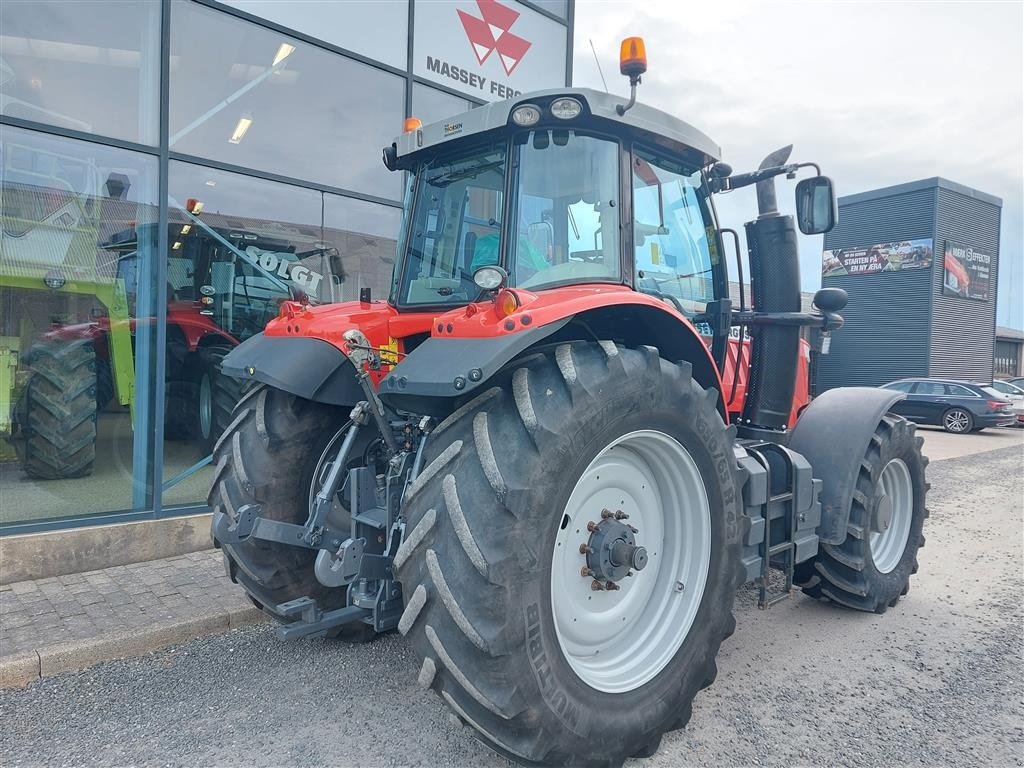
(526, 115)
(566, 109)
(490, 278)
(54, 279)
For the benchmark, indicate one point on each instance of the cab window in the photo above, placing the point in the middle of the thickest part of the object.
(566, 226)
(455, 227)
(671, 224)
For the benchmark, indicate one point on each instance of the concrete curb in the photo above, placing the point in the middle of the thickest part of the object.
(49, 660)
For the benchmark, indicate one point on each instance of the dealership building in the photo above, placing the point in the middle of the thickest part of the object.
(919, 262)
(171, 170)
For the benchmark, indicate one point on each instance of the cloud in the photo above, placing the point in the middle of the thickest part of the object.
(878, 93)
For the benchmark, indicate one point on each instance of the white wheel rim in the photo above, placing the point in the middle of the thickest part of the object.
(205, 406)
(957, 421)
(888, 546)
(616, 641)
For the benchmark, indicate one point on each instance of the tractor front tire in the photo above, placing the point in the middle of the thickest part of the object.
(267, 456)
(509, 627)
(60, 410)
(871, 569)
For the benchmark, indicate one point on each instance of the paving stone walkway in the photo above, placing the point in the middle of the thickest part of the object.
(86, 607)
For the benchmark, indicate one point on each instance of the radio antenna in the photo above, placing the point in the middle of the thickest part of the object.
(598, 62)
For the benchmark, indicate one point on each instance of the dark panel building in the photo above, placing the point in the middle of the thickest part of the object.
(919, 261)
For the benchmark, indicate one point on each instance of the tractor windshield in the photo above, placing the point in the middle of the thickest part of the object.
(563, 217)
(566, 214)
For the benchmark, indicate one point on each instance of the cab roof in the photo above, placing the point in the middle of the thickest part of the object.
(642, 121)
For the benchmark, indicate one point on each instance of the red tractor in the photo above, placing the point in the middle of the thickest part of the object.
(524, 460)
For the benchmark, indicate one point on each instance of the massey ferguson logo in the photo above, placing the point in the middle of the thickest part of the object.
(490, 33)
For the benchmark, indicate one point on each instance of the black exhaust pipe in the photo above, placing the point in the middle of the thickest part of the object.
(775, 287)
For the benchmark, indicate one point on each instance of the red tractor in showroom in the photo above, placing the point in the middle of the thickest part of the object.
(527, 461)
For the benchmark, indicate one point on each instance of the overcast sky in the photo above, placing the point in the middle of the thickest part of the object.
(877, 93)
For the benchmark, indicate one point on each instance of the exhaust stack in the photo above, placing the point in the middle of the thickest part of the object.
(775, 287)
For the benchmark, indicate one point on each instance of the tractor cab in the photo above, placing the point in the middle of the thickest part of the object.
(554, 191)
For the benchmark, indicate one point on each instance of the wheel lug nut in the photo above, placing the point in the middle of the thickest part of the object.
(591, 526)
(605, 514)
(585, 572)
(611, 585)
(596, 585)
(620, 515)
(584, 549)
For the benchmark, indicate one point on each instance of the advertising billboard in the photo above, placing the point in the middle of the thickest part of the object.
(966, 273)
(487, 49)
(880, 257)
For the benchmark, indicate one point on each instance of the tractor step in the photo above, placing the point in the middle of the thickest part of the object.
(780, 498)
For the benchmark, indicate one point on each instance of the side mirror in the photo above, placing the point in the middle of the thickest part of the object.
(830, 299)
(816, 210)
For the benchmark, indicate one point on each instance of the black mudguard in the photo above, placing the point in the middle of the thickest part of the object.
(833, 434)
(440, 369)
(310, 368)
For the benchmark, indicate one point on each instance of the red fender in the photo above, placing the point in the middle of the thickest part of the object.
(484, 320)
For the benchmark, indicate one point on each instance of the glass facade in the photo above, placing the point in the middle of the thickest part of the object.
(87, 66)
(76, 325)
(431, 105)
(252, 97)
(263, 121)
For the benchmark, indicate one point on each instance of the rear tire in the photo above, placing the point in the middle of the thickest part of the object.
(871, 569)
(267, 456)
(60, 410)
(959, 421)
(485, 518)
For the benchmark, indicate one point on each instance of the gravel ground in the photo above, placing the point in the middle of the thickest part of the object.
(939, 680)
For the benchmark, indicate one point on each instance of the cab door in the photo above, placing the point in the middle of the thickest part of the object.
(676, 254)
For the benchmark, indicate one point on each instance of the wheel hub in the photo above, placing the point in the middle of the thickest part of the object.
(612, 552)
(893, 515)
